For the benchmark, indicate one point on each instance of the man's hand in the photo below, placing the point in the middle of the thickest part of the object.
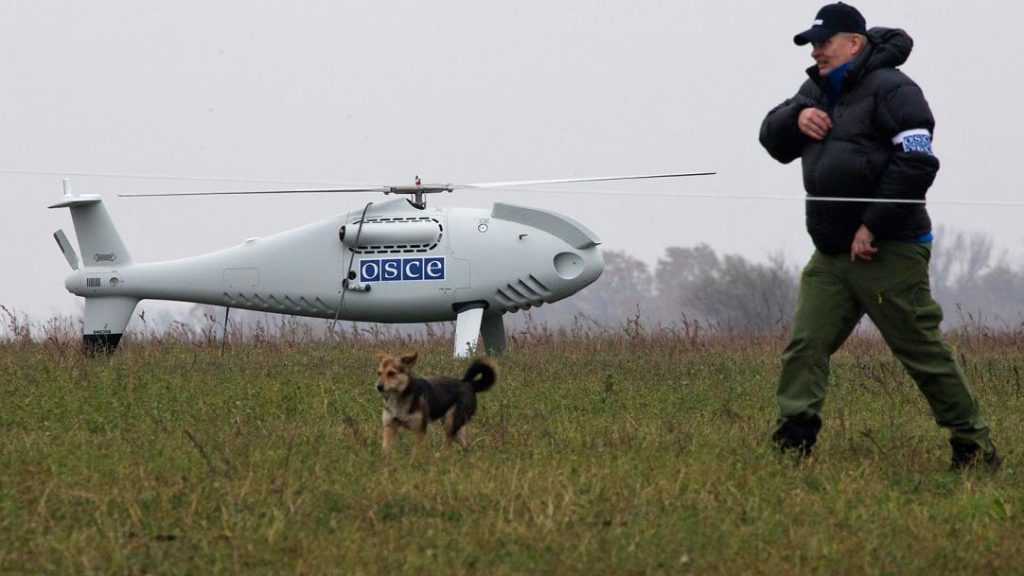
(814, 123)
(863, 245)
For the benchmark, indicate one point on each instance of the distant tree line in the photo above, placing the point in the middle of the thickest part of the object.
(687, 286)
(976, 286)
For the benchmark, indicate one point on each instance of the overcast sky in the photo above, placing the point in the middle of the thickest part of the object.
(459, 91)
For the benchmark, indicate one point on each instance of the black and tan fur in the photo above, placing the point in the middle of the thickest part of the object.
(413, 402)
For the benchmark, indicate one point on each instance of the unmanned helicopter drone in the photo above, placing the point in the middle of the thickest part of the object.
(397, 261)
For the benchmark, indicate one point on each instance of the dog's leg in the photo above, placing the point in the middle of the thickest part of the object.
(462, 438)
(390, 427)
(418, 423)
(448, 423)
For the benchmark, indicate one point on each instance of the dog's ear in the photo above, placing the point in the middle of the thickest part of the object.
(410, 359)
(381, 355)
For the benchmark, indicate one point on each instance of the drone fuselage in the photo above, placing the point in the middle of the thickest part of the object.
(392, 263)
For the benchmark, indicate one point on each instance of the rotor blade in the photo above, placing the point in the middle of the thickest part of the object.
(65, 247)
(165, 177)
(712, 196)
(572, 180)
(242, 192)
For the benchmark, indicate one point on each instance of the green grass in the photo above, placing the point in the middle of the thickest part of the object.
(632, 454)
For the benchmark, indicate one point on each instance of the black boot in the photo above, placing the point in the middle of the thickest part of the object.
(970, 455)
(798, 434)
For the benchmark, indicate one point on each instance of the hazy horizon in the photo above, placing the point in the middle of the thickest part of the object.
(460, 92)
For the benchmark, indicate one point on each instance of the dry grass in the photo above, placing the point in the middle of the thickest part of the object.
(611, 453)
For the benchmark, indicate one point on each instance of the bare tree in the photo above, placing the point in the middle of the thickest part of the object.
(746, 295)
(728, 291)
(625, 286)
(958, 261)
(677, 274)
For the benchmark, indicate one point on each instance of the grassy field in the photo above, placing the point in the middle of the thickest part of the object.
(608, 454)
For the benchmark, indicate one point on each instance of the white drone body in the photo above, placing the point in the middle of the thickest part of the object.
(394, 262)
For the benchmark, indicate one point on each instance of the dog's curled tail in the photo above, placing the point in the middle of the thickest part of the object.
(482, 374)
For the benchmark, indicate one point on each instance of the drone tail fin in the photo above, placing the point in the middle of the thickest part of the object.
(105, 320)
(98, 240)
(101, 246)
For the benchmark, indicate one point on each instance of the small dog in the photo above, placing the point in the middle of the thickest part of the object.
(413, 402)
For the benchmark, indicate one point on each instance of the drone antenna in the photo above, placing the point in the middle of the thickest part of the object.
(224, 335)
(346, 281)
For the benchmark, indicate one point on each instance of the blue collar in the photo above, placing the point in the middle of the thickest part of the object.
(834, 80)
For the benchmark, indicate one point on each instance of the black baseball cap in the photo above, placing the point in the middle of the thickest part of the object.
(830, 20)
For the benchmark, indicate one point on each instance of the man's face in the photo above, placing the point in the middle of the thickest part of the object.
(836, 51)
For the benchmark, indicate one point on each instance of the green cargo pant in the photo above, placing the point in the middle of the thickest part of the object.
(893, 290)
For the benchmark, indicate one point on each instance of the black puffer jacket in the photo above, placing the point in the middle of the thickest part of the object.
(858, 157)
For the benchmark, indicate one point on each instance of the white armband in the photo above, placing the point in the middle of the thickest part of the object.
(916, 140)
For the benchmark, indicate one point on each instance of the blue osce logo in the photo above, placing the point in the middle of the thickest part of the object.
(918, 143)
(401, 269)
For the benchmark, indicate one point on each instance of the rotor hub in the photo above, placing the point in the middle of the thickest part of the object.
(418, 191)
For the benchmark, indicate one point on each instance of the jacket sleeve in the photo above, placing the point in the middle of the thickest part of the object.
(904, 118)
(779, 133)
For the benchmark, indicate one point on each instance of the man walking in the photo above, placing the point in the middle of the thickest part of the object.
(863, 132)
